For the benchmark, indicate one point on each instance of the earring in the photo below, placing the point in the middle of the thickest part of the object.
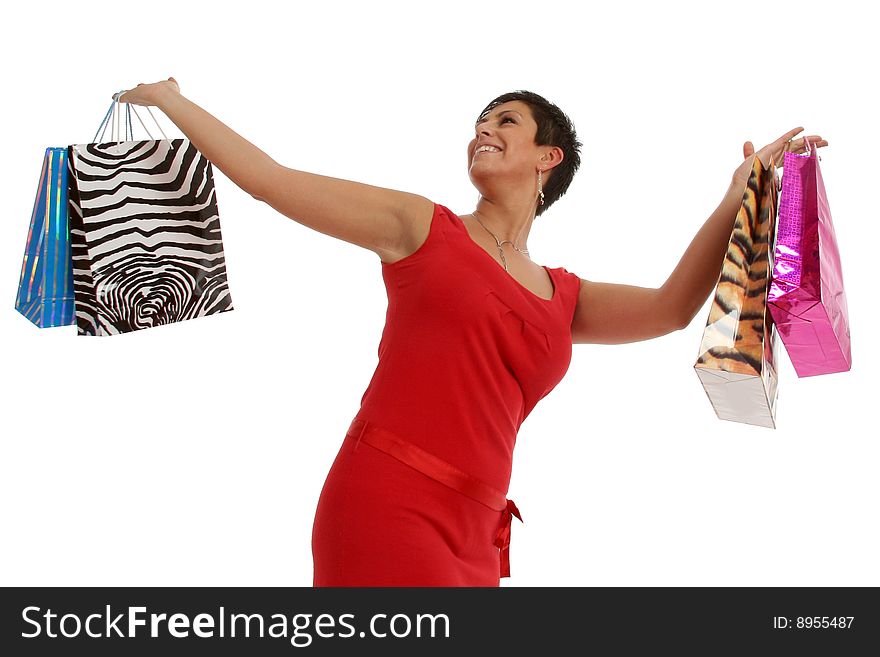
(540, 187)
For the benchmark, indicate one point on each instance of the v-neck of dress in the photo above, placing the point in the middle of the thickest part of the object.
(506, 273)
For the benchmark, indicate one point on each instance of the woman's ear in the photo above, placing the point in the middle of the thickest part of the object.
(552, 158)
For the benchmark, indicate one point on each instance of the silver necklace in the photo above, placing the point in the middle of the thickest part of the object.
(500, 242)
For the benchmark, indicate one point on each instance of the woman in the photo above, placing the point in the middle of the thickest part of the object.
(476, 334)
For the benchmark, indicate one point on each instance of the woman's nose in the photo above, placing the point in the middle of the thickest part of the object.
(483, 128)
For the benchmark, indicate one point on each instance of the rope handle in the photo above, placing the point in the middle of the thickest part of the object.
(113, 116)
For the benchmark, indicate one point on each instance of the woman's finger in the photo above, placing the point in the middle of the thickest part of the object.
(815, 141)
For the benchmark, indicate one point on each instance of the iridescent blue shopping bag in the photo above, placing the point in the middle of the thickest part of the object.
(45, 288)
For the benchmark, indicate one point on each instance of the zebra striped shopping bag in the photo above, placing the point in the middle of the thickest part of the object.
(145, 233)
(739, 350)
(45, 287)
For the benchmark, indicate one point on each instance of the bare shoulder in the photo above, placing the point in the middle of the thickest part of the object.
(414, 224)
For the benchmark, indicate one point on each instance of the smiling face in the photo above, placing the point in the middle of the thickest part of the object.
(503, 151)
(511, 130)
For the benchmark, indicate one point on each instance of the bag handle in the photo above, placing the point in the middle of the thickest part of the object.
(810, 148)
(113, 116)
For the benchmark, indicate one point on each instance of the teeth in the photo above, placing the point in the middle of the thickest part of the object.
(490, 149)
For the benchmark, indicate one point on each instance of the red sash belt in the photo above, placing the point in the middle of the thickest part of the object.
(445, 473)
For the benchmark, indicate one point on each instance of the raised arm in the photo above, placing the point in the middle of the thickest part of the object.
(375, 218)
(613, 314)
(608, 313)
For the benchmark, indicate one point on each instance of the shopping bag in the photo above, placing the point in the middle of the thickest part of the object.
(145, 233)
(738, 353)
(806, 298)
(45, 287)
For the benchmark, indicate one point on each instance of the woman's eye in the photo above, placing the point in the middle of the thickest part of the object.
(503, 119)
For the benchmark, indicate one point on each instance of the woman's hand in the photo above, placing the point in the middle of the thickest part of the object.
(148, 94)
(777, 149)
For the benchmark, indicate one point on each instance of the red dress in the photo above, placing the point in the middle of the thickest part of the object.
(416, 494)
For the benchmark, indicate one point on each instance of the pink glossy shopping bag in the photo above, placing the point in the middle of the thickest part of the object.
(806, 297)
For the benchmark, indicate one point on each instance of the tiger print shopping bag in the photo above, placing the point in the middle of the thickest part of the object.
(807, 299)
(45, 287)
(145, 234)
(739, 351)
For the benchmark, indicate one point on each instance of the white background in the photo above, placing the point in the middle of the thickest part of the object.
(194, 454)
